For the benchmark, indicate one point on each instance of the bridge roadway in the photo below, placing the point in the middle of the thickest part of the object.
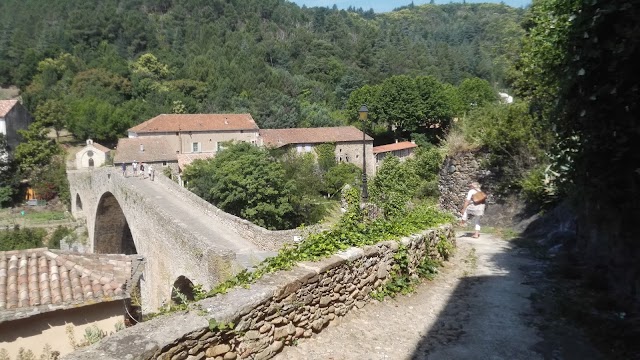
(199, 223)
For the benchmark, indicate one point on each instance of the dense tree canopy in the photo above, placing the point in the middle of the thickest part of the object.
(116, 63)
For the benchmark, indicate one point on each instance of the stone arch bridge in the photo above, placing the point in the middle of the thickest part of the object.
(179, 235)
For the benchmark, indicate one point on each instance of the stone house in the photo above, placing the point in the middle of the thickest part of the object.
(153, 150)
(92, 155)
(198, 133)
(402, 150)
(13, 117)
(45, 293)
(348, 141)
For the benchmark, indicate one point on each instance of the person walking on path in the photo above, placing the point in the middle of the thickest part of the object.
(473, 208)
(151, 172)
(134, 165)
(142, 170)
(124, 169)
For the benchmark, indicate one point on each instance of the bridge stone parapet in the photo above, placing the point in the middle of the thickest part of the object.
(273, 312)
(270, 240)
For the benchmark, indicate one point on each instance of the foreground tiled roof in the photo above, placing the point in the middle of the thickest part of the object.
(196, 122)
(394, 147)
(33, 281)
(186, 159)
(281, 137)
(6, 106)
(155, 149)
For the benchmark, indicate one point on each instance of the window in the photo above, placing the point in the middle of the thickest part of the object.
(195, 147)
(164, 163)
(220, 146)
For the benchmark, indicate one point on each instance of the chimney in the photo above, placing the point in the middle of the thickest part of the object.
(396, 141)
(141, 148)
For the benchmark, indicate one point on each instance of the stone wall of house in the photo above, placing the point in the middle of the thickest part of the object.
(273, 312)
(351, 151)
(16, 119)
(265, 239)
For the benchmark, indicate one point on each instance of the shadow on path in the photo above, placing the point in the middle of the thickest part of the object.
(490, 315)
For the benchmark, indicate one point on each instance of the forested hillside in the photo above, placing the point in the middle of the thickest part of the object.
(98, 68)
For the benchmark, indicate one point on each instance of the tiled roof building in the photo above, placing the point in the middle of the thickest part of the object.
(169, 123)
(394, 147)
(6, 106)
(282, 137)
(40, 280)
(144, 149)
(402, 150)
(13, 117)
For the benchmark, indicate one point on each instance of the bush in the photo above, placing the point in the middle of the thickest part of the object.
(60, 233)
(21, 238)
(394, 185)
(515, 139)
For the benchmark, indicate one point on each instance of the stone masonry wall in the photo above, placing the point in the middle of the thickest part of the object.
(269, 240)
(168, 246)
(273, 312)
(456, 174)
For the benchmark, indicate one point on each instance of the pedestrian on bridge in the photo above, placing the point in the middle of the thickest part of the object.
(124, 169)
(152, 172)
(134, 165)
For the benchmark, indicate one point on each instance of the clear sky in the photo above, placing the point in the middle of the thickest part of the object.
(388, 5)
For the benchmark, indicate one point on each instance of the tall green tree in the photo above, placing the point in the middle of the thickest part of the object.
(245, 181)
(52, 113)
(476, 93)
(393, 186)
(36, 149)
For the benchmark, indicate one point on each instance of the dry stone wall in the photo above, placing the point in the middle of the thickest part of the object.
(272, 313)
(456, 174)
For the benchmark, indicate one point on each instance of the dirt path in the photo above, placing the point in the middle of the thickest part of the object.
(478, 307)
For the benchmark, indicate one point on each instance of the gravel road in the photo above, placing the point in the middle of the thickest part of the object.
(478, 307)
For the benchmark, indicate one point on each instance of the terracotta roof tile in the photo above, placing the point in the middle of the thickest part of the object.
(101, 147)
(156, 149)
(281, 137)
(196, 122)
(6, 106)
(394, 147)
(51, 279)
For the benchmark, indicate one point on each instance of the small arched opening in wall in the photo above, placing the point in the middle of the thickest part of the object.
(182, 291)
(78, 203)
(111, 233)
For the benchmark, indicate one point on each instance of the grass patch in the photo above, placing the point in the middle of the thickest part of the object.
(32, 217)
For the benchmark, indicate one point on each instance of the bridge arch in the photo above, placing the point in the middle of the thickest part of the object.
(182, 290)
(112, 234)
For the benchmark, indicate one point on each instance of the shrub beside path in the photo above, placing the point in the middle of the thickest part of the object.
(478, 307)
